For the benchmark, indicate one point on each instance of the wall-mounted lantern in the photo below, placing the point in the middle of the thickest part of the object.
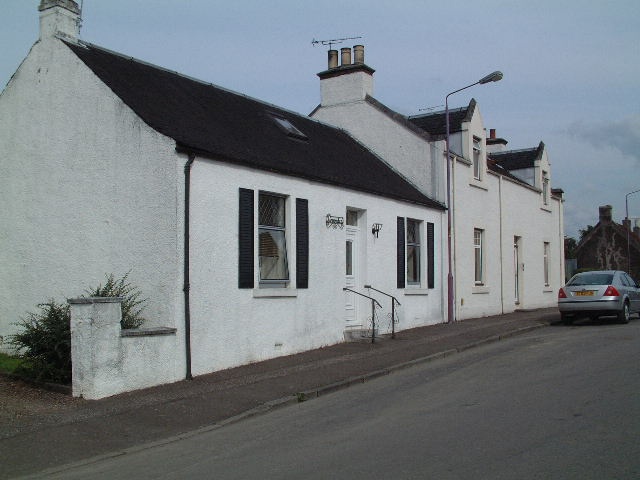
(375, 229)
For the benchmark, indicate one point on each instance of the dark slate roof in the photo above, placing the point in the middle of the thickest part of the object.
(436, 125)
(518, 159)
(223, 125)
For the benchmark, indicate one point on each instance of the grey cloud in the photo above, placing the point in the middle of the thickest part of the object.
(623, 135)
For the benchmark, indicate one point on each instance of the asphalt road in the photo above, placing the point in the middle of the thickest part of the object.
(561, 402)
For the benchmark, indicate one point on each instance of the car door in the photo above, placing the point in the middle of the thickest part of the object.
(634, 293)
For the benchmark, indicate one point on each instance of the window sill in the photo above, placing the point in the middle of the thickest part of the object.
(274, 292)
(480, 290)
(546, 209)
(416, 291)
(478, 184)
(547, 289)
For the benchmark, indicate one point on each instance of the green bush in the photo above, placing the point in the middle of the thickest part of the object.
(44, 344)
(132, 304)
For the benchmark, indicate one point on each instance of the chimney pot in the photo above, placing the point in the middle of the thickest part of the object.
(346, 56)
(333, 59)
(492, 133)
(358, 54)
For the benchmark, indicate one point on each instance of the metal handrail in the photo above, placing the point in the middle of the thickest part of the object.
(394, 300)
(373, 311)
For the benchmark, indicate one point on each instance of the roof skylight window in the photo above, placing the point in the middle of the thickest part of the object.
(287, 127)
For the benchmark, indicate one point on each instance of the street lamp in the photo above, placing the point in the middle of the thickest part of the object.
(492, 77)
(626, 213)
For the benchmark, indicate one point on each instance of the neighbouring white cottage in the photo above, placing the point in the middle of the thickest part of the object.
(240, 221)
(507, 223)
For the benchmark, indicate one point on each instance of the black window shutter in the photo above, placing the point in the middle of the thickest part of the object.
(302, 243)
(245, 239)
(430, 256)
(401, 253)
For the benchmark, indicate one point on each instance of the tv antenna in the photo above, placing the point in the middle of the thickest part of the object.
(429, 109)
(331, 42)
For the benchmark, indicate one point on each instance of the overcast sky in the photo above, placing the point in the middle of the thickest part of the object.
(571, 67)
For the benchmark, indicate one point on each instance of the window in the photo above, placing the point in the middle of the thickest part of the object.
(349, 258)
(289, 128)
(272, 244)
(410, 251)
(545, 188)
(352, 218)
(546, 263)
(272, 238)
(413, 252)
(477, 158)
(478, 241)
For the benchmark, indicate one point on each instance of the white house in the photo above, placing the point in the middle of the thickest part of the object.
(240, 221)
(507, 224)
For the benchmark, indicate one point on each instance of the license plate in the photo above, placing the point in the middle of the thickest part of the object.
(585, 293)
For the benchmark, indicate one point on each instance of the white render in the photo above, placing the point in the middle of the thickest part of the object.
(232, 326)
(107, 360)
(88, 189)
(501, 207)
(344, 104)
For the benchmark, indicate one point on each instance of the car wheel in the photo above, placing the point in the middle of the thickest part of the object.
(566, 319)
(623, 315)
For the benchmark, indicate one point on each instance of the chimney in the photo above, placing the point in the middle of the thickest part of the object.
(347, 82)
(495, 144)
(605, 214)
(59, 17)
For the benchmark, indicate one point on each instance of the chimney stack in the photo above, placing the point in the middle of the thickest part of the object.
(59, 17)
(605, 214)
(492, 133)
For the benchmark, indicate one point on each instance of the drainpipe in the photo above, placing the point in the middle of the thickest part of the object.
(187, 311)
(501, 243)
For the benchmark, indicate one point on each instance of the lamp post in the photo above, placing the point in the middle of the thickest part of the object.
(492, 77)
(626, 216)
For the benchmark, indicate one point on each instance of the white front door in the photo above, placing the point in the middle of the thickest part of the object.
(351, 275)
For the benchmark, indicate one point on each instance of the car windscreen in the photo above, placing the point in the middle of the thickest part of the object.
(592, 279)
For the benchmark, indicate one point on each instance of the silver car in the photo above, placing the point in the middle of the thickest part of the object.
(599, 293)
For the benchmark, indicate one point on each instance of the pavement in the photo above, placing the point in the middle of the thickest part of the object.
(81, 431)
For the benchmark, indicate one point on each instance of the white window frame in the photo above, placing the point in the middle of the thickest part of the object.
(477, 158)
(546, 254)
(265, 228)
(478, 256)
(417, 248)
(545, 188)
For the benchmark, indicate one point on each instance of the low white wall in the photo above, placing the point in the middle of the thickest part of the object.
(107, 360)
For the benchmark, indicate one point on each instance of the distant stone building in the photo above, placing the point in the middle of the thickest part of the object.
(610, 246)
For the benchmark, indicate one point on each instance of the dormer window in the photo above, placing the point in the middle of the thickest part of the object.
(477, 158)
(287, 127)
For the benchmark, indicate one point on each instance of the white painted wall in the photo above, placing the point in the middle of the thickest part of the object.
(503, 209)
(406, 151)
(232, 326)
(86, 189)
(107, 360)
